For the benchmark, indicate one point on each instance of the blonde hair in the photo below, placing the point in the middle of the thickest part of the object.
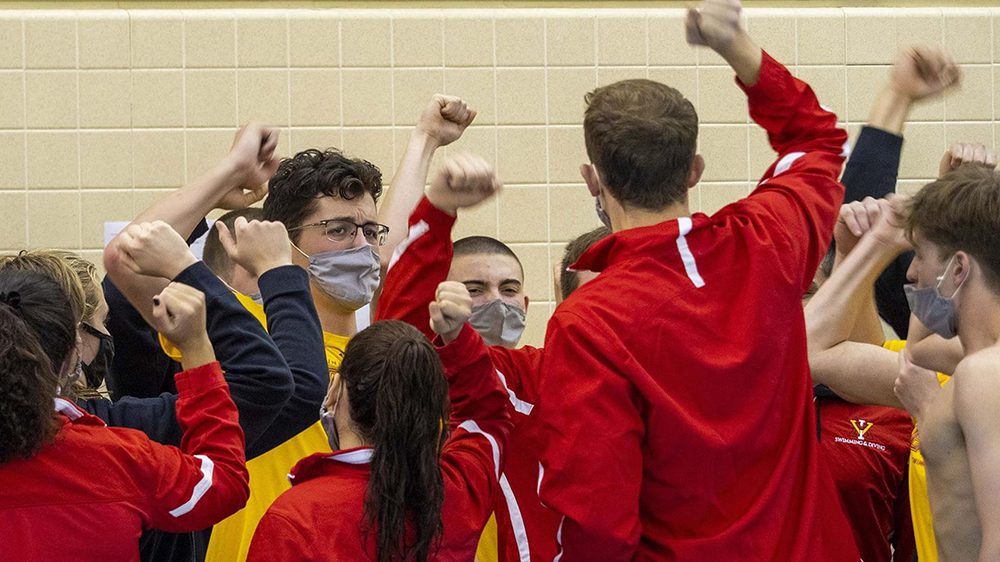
(90, 281)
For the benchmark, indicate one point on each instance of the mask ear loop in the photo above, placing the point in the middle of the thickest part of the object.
(941, 277)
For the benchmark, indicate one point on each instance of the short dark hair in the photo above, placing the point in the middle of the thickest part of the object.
(311, 174)
(569, 281)
(214, 255)
(37, 333)
(961, 211)
(477, 245)
(642, 137)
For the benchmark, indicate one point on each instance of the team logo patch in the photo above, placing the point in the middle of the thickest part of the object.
(860, 436)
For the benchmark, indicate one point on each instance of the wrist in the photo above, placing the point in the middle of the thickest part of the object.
(183, 263)
(450, 210)
(891, 109)
(196, 352)
(424, 140)
(452, 335)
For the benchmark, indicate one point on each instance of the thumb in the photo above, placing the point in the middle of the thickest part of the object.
(226, 239)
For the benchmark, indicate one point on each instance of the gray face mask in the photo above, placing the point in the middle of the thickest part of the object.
(499, 323)
(936, 312)
(350, 277)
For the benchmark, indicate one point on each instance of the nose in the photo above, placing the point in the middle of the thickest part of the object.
(911, 272)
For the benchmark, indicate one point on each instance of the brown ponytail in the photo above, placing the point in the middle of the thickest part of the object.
(399, 403)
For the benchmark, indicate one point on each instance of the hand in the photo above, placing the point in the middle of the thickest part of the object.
(257, 246)
(155, 249)
(179, 314)
(715, 24)
(923, 72)
(464, 181)
(966, 153)
(881, 217)
(451, 310)
(445, 119)
(250, 164)
(915, 386)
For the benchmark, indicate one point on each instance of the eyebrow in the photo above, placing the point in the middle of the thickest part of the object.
(509, 281)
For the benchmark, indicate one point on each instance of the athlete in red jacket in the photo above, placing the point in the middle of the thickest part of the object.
(675, 399)
(333, 510)
(86, 472)
(421, 261)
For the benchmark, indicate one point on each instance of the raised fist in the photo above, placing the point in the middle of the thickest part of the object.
(250, 164)
(451, 310)
(714, 23)
(179, 314)
(257, 246)
(966, 153)
(445, 119)
(155, 249)
(923, 72)
(464, 181)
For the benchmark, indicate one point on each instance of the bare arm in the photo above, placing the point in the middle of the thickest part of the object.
(442, 122)
(977, 400)
(237, 181)
(832, 313)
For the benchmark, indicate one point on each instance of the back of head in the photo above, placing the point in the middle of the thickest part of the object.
(53, 264)
(484, 245)
(33, 309)
(961, 211)
(214, 255)
(311, 174)
(398, 397)
(642, 137)
(569, 281)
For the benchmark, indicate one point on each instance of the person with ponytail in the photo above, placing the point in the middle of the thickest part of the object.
(62, 469)
(418, 435)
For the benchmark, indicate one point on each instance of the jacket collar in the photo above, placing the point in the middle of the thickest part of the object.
(74, 414)
(646, 240)
(320, 464)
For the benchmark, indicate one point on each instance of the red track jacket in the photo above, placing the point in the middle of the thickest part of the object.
(91, 492)
(676, 399)
(524, 526)
(322, 516)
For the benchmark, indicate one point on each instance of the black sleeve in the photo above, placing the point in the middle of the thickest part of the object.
(138, 354)
(871, 171)
(260, 381)
(139, 367)
(294, 326)
(156, 417)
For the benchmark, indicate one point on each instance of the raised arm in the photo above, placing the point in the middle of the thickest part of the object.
(237, 181)
(263, 249)
(206, 479)
(424, 258)
(473, 456)
(441, 123)
(858, 372)
(260, 380)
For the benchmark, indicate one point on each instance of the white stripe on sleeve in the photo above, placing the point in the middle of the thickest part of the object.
(472, 427)
(207, 468)
(683, 228)
(416, 231)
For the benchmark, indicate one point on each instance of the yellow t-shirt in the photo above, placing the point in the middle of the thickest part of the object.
(920, 504)
(269, 472)
(488, 551)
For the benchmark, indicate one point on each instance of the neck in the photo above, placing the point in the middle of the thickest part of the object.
(979, 321)
(351, 440)
(626, 219)
(333, 318)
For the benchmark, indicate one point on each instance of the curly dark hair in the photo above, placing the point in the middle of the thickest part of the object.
(312, 173)
(31, 304)
(398, 395)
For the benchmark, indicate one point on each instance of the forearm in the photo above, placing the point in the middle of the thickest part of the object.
(745, 57)
(406, 190)
(832, 313)
(185, 208)
(867, 327)
(890, 111)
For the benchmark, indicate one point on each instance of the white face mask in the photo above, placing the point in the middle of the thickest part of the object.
(350, 277)
(498, 322)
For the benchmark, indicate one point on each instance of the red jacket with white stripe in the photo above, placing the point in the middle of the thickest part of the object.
(322, 516)
(675, 405)
(421, 262)
(90, 493)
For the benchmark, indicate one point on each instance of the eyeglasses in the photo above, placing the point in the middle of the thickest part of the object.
(339, 230)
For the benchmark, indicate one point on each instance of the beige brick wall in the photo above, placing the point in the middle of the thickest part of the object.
(103, 111)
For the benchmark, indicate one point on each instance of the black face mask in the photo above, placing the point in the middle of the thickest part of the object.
(97, 370)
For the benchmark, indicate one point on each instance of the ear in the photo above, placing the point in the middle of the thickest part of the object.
(557, 281)
(963, 267)
(332, 391)
(697, 169)
(526, 304)
(589, 173)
